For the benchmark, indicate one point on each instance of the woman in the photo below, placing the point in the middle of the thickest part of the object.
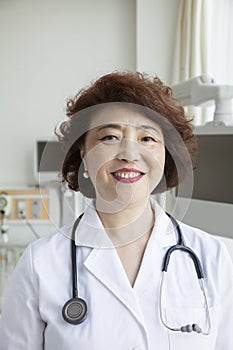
(127, 138)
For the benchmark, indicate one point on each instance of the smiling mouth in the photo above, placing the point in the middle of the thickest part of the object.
(127, 176)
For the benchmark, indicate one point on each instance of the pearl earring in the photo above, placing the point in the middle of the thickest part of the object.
(85, 174)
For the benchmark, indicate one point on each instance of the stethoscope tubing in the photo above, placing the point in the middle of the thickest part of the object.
(75, 310)
(190, 252)
(73, 258)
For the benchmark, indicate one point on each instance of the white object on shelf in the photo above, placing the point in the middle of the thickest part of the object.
(202, 90)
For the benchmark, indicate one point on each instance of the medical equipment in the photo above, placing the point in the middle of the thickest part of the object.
(180, 246)
(75, 310)
(49, 155)
(213, 167)
(201, 90)
(48, 159)
(5, 211)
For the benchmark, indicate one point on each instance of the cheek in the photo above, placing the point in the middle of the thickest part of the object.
(96, 161)
(157, 159)
(157, 163)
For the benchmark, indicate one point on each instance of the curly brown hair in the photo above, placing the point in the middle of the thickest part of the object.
(130, 88)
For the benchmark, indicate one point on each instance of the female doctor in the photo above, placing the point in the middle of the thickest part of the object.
(136, 278)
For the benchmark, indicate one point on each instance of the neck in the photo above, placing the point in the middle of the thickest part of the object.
(129, 224)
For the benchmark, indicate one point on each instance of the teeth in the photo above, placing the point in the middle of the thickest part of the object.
(127, 175)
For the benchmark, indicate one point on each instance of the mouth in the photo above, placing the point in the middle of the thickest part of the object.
(127, 175)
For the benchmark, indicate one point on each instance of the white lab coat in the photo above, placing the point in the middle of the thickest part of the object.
(119, 317)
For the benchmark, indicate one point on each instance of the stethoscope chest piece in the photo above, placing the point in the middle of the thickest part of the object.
(75, 311)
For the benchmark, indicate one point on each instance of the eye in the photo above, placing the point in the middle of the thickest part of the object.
(148, 139)
(109, 138)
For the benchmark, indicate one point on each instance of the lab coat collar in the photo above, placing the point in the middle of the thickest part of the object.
(91, 233)
(163, 232)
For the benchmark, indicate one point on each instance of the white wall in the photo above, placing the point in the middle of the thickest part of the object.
(156, 29)
(49, 50)
(52, 48)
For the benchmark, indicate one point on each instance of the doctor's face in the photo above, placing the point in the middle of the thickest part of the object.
(124, 155)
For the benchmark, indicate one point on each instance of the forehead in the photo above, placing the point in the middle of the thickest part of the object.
(121, 115)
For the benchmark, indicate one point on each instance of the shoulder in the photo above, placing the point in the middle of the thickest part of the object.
(196, 237)
(209, 247)
(50, 246)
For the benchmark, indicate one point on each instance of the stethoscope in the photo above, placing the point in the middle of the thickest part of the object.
(75, 309)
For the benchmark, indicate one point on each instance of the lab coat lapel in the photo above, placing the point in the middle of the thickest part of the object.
(162, 237)
(103, 261)
(105, 265)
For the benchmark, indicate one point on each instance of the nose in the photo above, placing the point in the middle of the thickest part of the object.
(129, 151)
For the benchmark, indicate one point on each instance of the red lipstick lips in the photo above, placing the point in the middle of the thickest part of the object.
(127, 175)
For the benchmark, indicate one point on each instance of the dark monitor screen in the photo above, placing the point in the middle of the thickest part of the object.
(50, 156)
(213, 176)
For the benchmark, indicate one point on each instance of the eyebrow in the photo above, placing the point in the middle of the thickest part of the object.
(119, 127)
(112, 126)
(149, 127)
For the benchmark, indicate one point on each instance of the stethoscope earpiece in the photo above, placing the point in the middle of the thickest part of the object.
(191, 328)
(75, 311)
